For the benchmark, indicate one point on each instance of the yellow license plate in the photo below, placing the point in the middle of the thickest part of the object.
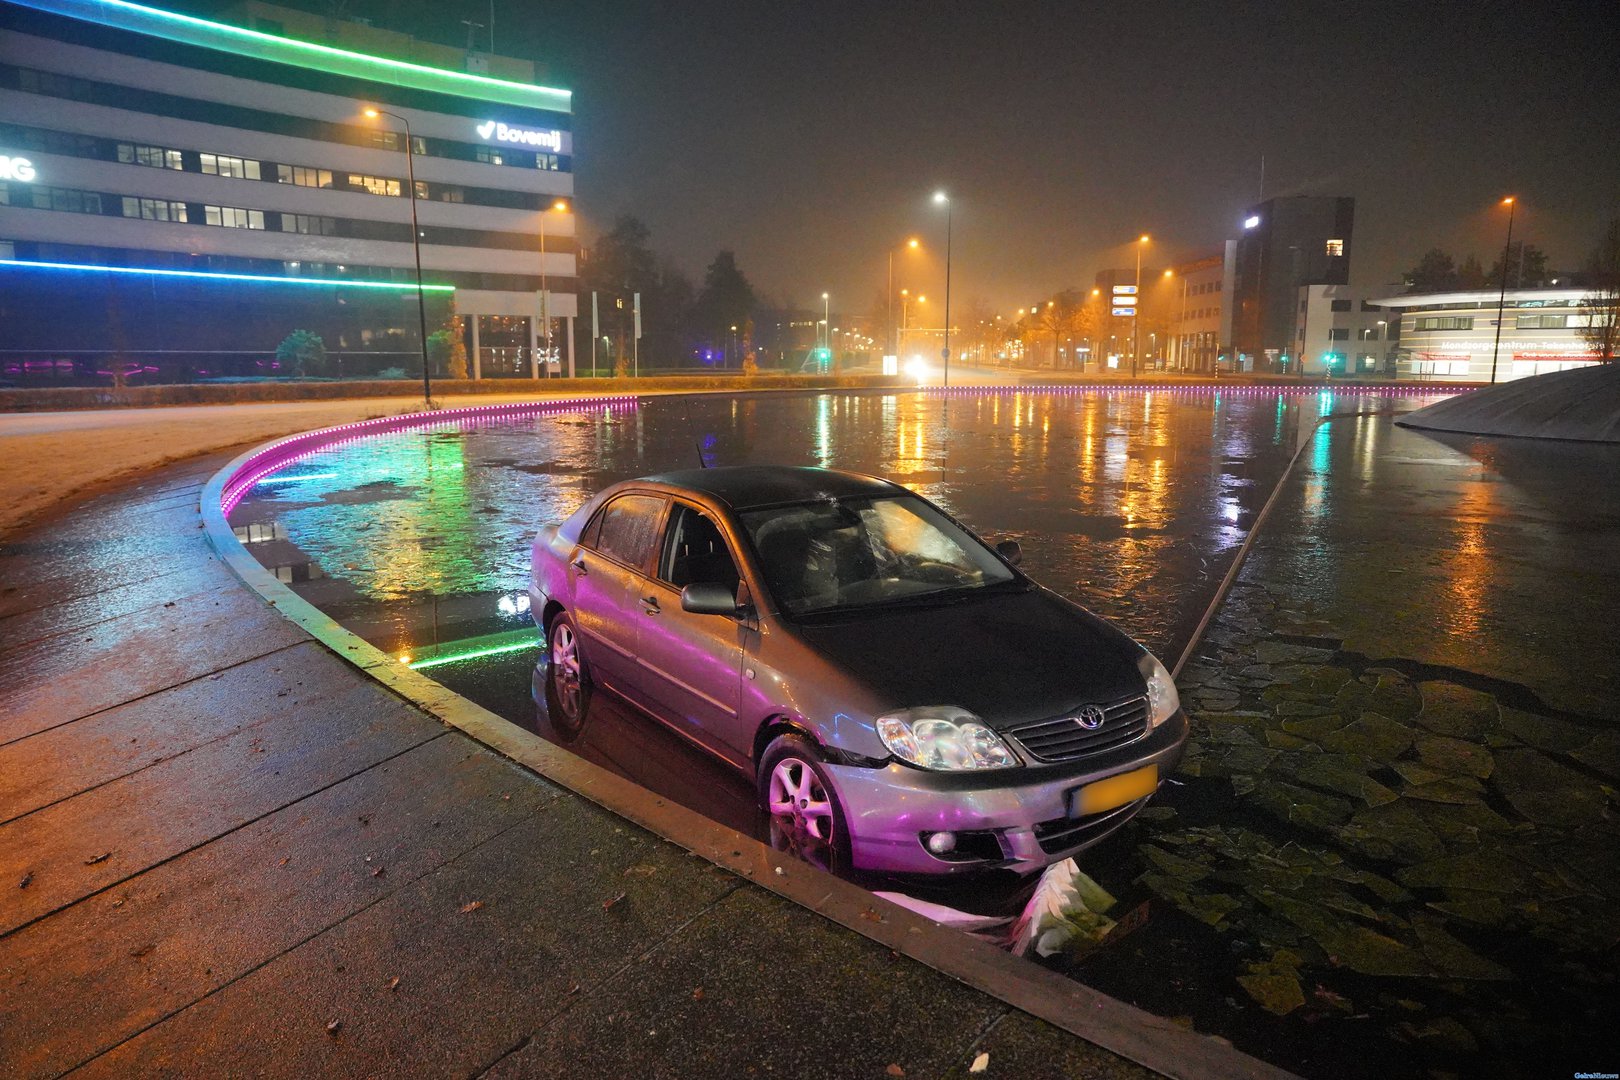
(1116, 791)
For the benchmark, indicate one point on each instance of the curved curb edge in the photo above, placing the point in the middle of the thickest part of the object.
(1123, 1029)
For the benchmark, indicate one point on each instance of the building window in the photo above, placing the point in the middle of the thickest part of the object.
(1339, 333)
(67, 199)
(1445, 322)
(155, 156)
(234, 217)
(221, 165)
(154, 209)
(303, 176)
(489, 155)
(1335, 247)
(377, 185)
(309, 224)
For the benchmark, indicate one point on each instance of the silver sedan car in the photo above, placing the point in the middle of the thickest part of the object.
(897, 690)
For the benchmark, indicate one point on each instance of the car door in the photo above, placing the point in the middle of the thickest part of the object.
(607, 574)
(693, 663)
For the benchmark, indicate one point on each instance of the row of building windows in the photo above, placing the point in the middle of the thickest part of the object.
(84, 254)
(68, 144)
(151, 102)
(1204, 287)
(44, 197)
(1445, 322)
(1553, 322)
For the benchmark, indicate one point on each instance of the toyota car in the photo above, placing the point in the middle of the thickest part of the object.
(897, 689)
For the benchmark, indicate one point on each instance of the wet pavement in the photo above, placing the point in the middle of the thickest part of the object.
(1404, 695)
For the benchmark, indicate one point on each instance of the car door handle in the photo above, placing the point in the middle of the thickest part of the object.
(579, 564)
(651, 604)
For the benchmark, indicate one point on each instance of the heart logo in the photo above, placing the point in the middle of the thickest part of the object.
(486, 129)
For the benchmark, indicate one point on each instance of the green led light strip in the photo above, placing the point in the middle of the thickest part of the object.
(206, 275)
(191, 30)
(473, 654)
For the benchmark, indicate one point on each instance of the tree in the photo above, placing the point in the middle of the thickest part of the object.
(1435, 272)
(301, 352)
(1526, 267)
(447, 346)
(1471, 275)
(619, 265)
(726, 300)
(1601, 304)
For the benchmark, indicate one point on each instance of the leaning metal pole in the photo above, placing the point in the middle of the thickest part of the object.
(1501, 297)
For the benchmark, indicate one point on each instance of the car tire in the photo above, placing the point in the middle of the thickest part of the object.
(792, 782)
(568, 677)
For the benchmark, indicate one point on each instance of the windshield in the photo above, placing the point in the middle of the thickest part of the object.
(838, 554)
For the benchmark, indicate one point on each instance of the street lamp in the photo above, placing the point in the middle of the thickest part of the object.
(416, 244)
(1501, 296)
(1136, 320)
(826, 320)
(561, 206)
(913, 244)
(941, 199)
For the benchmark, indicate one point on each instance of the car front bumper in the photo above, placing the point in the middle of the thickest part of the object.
(888, 810)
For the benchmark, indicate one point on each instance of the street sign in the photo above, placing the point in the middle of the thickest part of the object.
(1124, 301)
(1125, 311)
(944, 354)
(1124, 290)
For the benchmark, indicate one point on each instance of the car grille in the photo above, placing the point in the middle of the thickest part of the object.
(1062, 739)
(1062, 834)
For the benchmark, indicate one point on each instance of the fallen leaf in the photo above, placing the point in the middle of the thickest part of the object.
(781, 872)
(380, 871)
(118, 902)
(103, 857)
(871, 916)
(609, 903)
(333, 1026)
(393, 984)
(169, 604)
(697, 995)
(26, 878)
(895, 1070)
(285, 860)
(980, 1063)
(573, 988)
(471, 906)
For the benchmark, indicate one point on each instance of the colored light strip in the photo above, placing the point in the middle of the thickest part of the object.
(298, 479)
(190, 30)
(473, 654)
(258, 279)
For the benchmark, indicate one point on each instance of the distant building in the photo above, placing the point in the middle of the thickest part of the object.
(1285, 244)
(181, 193)
(1202, 318)
(1339, 332)
(1452, 336)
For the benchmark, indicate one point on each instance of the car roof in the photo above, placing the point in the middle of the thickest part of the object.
(745, 486)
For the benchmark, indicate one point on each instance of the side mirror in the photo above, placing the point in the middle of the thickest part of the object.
(1009, 550)
(708, 598)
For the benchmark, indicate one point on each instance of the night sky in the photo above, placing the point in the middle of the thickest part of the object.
(808, 138)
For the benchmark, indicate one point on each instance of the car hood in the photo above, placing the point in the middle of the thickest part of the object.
(1009, 658)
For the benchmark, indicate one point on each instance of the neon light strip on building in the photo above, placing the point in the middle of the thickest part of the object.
(190, 30)
(251, 279)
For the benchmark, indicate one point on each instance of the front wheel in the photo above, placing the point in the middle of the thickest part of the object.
(795, 791)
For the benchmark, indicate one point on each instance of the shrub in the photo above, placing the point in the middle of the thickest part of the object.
(300, 353)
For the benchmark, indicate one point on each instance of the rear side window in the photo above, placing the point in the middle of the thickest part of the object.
(628, 528)
(696, 553)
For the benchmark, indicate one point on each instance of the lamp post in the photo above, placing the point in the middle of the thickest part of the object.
(560, 206)
(416, 246)
(826, 322)
(1136, 320)
(1501, 296)
(941, 199)
(890, 336)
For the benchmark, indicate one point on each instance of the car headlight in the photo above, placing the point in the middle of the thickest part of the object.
(1163, 701)
(945, 739)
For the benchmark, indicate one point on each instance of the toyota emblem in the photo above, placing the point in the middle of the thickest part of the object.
(1091, 717)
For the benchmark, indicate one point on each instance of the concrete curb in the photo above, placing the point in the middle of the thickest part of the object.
(1146, 1039)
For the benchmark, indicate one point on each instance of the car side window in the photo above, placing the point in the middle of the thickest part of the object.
(695, 552)
(630, 528)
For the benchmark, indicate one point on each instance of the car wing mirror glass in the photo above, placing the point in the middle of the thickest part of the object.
(1009, 550)
(708, 598)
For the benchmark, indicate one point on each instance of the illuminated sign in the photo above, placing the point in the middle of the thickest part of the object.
(1124, 301)
(1251, 221)
(19, 169)
(1124, 311)
(495, 131)
(1124, 290)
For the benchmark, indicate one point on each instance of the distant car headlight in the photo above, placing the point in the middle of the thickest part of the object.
(1163, 701)
(945, 739)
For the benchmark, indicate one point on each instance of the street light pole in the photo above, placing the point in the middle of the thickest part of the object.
(1136, 320)
(1501, 296)
(416, 246)
(826, 323)
(941, 198)
(545, 293)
